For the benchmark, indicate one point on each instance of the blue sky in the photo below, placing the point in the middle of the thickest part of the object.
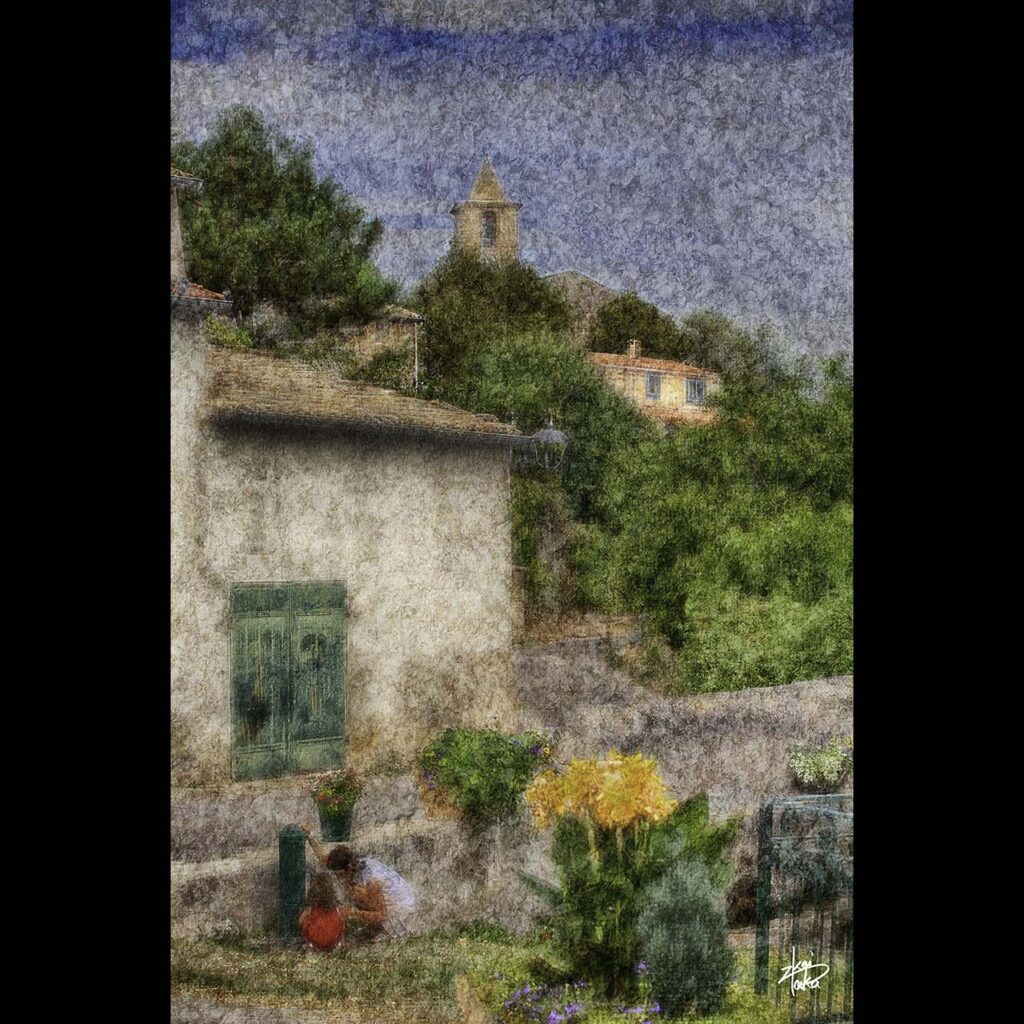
(699, 153)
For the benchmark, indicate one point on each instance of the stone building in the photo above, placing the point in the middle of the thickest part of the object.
(341, 590)
(487, 223)
(668, 391)
(583, 294)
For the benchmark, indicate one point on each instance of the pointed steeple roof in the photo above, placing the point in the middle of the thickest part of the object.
(487, 187)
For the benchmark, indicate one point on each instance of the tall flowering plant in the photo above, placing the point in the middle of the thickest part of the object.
(335, 793)
(615, 833)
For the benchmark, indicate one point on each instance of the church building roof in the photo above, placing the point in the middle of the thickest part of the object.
(487, 188)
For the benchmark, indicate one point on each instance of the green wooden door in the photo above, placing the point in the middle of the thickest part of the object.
(287, 678)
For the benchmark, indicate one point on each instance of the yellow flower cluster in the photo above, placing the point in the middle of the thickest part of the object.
(619, 791)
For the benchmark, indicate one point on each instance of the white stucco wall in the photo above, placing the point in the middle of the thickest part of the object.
(418, 530)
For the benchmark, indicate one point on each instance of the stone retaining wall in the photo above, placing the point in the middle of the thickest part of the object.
(733, 746)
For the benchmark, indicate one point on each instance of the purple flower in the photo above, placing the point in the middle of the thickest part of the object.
(556, 1017)
(656, 1008)
(641, 968)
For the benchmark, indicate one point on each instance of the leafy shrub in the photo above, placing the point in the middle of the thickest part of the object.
(220, 332)
(391, 368)
(685, 941)
(628, 316)
(616, 831)
(738, 641)
(823, 768)
(543, 541)
(482, 771)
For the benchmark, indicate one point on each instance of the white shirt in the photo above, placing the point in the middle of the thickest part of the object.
(399, 895)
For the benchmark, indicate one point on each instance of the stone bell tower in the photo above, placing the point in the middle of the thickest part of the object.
(487, 223)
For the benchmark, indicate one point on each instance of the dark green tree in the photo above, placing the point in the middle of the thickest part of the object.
(755, 508)
(534, 376)
(267, 228)
(469, 304)
(628, 316)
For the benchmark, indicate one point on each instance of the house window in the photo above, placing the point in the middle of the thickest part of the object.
(653, 388)
(489, 228)
(695, 390)
(287, 678)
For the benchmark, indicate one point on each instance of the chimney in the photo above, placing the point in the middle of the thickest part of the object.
(179, 179)
(633, 348)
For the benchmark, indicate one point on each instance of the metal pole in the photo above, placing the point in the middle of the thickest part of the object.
(416, 356)
(763, 899)
(291, 847)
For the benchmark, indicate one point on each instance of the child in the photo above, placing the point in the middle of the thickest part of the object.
(321, 922)
(370, 892)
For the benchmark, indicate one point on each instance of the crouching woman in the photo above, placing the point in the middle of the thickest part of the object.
(367, 890)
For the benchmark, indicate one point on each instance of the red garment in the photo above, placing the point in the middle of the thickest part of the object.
(323, 927)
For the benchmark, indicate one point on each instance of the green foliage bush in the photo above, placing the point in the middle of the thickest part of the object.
(220, 332)
(736, 641)
(822, 769)
(685, 941)
(732, 541)
(391, 368)
(602, 878)
(536, 375)
(544, 539)
(482, 771)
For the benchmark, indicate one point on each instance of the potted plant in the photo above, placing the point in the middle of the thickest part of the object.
(335, 794)
(824, 768)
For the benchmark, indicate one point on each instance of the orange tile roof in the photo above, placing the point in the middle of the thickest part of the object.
(196, 291)
(641, 363)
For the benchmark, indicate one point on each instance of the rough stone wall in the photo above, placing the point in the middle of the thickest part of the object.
(417, 530)
(733, 746)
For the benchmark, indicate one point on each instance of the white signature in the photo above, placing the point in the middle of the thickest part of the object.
(792, 972)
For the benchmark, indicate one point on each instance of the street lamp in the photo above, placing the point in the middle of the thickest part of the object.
(549, 445)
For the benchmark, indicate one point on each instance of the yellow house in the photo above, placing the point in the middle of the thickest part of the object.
(664, 389)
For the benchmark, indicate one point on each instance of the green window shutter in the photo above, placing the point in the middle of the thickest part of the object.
(287, 678)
